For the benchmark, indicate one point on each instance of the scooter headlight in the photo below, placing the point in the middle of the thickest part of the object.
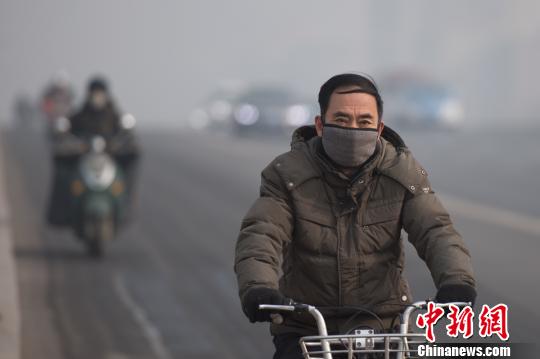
(98, 171)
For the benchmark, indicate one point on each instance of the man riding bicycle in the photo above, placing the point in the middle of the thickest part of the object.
(326, 229)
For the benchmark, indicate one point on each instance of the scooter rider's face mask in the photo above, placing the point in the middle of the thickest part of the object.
(98, 100)
(349, 147)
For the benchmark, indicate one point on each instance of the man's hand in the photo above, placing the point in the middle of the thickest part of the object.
(261, 295)
(456, 293)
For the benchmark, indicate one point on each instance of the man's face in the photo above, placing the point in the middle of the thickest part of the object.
(98, 99)
(353, 110)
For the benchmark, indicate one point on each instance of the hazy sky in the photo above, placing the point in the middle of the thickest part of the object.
(163, 57)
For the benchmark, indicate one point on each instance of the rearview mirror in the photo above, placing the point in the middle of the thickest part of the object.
(128, 121)
(62, 125)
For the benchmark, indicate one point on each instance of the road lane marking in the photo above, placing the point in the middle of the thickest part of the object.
(497, 216)
(150, 331)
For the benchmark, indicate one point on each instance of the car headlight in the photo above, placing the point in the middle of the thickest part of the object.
(198, 119)
(98, 171)
(246, 114)
(451, 113)
(220, 110)
(297, 115)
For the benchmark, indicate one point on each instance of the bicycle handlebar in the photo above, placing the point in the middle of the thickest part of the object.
(321, 323)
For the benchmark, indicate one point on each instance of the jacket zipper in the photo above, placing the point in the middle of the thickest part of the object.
(340, 301)
(338, 234)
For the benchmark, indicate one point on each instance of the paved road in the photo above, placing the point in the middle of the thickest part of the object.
(166, 288)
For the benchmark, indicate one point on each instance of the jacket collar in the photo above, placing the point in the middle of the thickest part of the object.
(389, 148)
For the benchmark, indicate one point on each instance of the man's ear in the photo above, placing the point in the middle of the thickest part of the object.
(381, 128)
(319, 125)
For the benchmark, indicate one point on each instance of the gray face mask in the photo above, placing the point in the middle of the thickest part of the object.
(349, 147)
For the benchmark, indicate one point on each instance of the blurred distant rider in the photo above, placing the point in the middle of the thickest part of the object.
(57, 99)
(326, 228)
(98, 115)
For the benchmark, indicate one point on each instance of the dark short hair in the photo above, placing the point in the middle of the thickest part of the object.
(365, 85)
(97, 83)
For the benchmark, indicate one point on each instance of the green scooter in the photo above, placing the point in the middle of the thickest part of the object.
(97, 199)
(98, 190)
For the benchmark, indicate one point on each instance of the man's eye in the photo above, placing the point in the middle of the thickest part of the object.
(341, 119)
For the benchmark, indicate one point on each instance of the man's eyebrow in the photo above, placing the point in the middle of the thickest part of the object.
(345, 114)
(341, 113)
(366, 115)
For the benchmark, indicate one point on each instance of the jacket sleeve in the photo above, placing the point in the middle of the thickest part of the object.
(265, 230)
(437, 242)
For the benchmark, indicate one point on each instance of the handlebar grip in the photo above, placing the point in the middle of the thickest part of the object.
(287, 308)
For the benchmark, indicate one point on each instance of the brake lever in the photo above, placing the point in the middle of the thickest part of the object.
(277, 318)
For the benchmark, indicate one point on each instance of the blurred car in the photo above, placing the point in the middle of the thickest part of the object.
(216, 111)
(256, 110)
(411, 102)
(270, 110)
